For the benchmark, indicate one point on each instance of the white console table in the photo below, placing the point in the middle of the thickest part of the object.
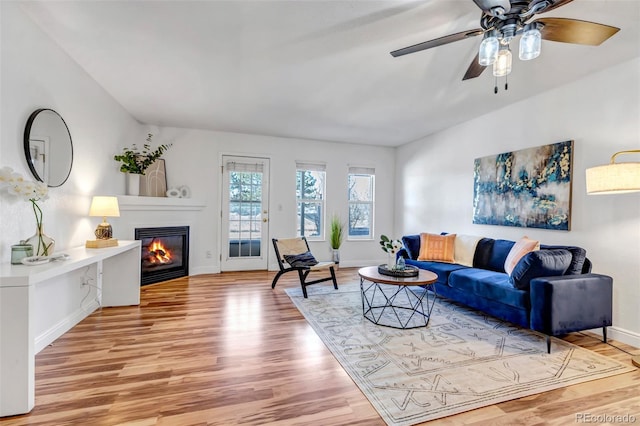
(115, 275)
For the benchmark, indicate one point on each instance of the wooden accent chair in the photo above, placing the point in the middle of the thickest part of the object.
(293, 254)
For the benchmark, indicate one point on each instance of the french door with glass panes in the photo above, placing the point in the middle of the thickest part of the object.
(245, 214)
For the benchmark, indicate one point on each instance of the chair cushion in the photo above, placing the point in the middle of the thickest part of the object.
(539, 263)
(437, 247)
(302, 260)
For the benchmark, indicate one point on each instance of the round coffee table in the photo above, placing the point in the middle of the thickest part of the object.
(394, 301)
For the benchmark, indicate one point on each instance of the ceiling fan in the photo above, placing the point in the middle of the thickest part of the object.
(502, 20)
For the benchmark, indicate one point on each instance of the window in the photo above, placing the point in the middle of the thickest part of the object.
(361, 190)
(310, 184)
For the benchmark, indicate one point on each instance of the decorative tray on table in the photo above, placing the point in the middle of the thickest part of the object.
(408, 271)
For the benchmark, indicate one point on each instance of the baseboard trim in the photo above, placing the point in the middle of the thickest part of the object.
(202, 270)
(66, 324)
(625, 336)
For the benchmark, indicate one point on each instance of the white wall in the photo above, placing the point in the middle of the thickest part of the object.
(195, 158)
(36, 73)
(601, 113)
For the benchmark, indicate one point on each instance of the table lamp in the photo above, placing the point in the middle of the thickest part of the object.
(105, 207)
(615, 178)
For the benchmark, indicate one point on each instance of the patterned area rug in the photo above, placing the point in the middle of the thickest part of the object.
(461, 361)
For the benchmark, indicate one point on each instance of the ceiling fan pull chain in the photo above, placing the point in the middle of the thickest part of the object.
(495, 88)
(506, 83)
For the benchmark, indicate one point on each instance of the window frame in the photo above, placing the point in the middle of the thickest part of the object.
(371, 174)
(321, 202)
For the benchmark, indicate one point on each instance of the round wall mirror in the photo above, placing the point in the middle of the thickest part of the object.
(48, 147)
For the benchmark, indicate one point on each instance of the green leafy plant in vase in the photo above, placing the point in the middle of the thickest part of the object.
(336, 237)
(391, 247)
(134, 162)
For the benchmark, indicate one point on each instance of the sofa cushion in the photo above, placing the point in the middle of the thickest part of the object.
(499, 253)
(540, 263)
(437, 247)
(523, 246)
(490, 285)
(465, 249)
(578, 256)
(441, 269)
(483, 253)
(412, 245)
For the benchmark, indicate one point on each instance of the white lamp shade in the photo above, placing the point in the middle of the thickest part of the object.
(104, 207)
(613, 178)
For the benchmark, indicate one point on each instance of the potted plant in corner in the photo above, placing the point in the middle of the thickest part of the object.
(337, 234)
(134, 162)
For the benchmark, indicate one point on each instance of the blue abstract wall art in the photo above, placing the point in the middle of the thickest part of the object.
(529, 188)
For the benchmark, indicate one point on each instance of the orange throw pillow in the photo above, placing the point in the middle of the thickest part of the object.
(519, 249)
(437, 247)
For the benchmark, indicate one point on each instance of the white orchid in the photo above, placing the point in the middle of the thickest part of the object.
(28, 190)
(389, 245)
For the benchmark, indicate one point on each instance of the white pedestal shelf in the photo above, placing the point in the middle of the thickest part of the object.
(117, 279)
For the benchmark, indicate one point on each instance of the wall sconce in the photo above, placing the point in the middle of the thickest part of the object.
(614, 178)
(104, 207)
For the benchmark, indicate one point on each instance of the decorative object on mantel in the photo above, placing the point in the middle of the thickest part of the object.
(185, 191)
(615, 178)
(134, 161)
(104, 207)
(173, 193)
(528, 188)
(153, 183)
(391, 247)
(33, 192)
(179, 192)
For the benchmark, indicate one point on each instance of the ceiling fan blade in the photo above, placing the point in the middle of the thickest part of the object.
(575, 31)
(474, 70)
(557, 4)
(437, 42)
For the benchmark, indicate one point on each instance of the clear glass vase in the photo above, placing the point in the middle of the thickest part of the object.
(391, 262)
(43, 245)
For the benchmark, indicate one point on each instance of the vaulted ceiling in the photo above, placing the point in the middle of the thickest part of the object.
(312, 69)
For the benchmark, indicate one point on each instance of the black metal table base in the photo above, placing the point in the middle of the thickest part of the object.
(396, 306)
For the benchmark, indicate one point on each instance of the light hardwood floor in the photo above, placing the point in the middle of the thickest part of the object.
(226, 349)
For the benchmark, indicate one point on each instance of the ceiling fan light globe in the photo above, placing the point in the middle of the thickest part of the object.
(488, 51)
(530, 45)
(502, 65)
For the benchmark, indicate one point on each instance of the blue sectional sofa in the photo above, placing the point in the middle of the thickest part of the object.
(551, 290)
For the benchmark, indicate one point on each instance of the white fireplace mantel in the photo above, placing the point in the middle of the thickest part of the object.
(133, 203)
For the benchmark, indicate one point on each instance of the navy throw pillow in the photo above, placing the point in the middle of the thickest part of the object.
(482, 254)
(412, 245)
(499, 253)
(578, 256)
(539, 263)
(302, 260)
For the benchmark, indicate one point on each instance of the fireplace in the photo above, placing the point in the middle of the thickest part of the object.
(164, 253)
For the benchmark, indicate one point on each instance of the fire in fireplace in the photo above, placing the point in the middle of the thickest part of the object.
(164, 253)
